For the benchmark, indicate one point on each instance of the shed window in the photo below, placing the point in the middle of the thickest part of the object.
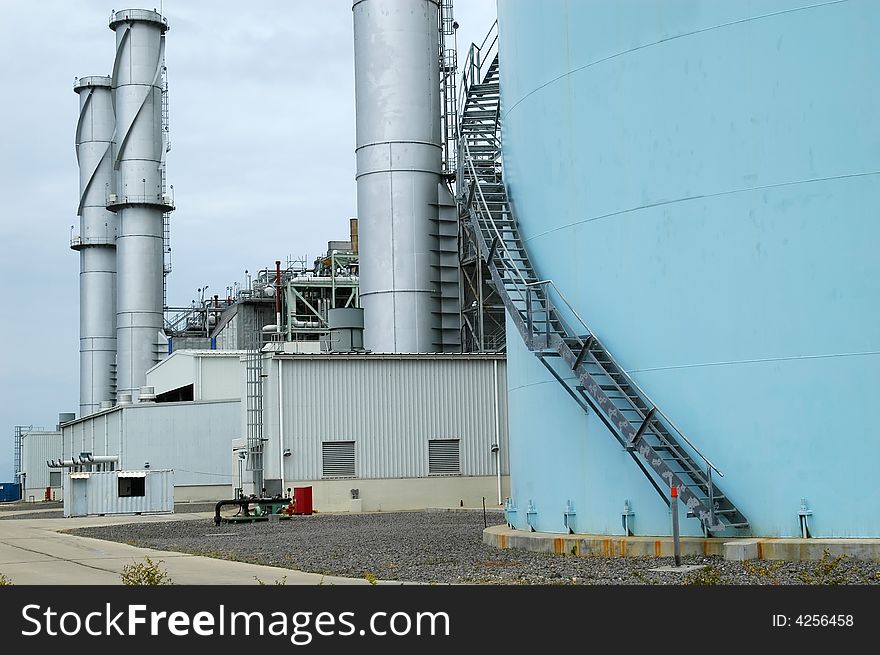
(132, 487)
(338, 459)
(443, 457)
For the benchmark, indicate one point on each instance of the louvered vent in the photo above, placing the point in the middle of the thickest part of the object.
(338, 459)
(443, 457)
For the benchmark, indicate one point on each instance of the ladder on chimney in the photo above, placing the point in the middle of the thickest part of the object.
(166, 216)
(448, 74)
(554, 332)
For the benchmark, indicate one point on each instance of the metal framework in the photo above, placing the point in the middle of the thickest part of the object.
(309, 295)
(481, 310)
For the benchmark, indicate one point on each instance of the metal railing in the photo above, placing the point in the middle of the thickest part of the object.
(472, 70)
(178, 319)
(77, 241)
(551, 309)
(139, 199)
(551, 312)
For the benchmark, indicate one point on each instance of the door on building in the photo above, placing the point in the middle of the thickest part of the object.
(80, 492)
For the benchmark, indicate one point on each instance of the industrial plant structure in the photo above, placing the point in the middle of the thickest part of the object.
(283, 381)
(668, 233)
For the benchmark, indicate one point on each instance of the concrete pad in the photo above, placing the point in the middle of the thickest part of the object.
(741, 550)
(789, 549)
(33, 551)
(501, 536)
(802, 550)
(684, 568)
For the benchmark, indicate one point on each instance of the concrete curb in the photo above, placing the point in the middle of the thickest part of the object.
(585, 545)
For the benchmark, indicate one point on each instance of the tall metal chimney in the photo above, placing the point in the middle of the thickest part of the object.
(139, 160)
(96, 243)
(399, 150)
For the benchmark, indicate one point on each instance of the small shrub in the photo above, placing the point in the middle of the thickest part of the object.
(146, 573)
(4, 581)
(708, 575)
(764, 572)
(827, 571)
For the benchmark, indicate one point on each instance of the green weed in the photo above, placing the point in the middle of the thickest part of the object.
(145, 573)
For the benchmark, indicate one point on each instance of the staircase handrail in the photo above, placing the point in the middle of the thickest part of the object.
(630, 381)
(472, 70)
(551, 310)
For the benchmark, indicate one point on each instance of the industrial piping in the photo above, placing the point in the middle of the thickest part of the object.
(399, 151)
(139, 159)
(96, 244)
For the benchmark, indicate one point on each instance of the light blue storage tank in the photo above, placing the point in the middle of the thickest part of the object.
(702, 180)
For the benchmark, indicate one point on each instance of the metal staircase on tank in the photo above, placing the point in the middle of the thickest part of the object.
(557, 335)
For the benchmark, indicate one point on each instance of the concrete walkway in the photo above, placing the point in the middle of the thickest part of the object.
(19, 512)
(33, 551)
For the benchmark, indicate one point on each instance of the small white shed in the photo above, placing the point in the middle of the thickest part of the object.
(145, 491)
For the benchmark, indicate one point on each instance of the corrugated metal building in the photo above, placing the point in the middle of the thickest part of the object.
(193, 438)
(37, 447)
(406, 431)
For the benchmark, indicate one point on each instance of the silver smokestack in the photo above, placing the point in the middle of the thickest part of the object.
(96, 243)
(139, 160)
(399, 150)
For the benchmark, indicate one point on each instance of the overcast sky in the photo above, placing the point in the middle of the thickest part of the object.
(262, 163)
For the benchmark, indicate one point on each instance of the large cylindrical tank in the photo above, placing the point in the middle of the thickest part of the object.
(139, 157)
(397, 96)
(700, 179)
(96, 244)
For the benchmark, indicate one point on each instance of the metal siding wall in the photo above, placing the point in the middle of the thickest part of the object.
(103, 495)
(103, 428)
(177, 370)
(219, 379)
(194, 439)
(390, 407)
(37, 448)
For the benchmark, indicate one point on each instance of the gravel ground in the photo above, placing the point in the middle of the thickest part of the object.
(446, 547)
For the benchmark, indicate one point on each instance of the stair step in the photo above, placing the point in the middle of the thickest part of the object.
(491, 218)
